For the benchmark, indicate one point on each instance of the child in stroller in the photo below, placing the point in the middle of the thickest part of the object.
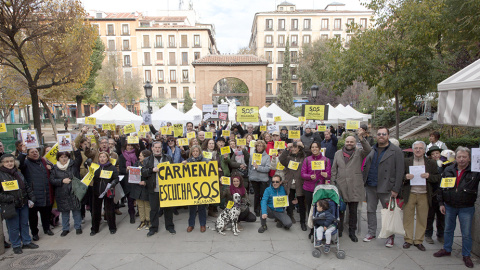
(324, 224)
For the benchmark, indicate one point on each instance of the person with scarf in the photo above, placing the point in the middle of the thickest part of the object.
(61, 178)
(238, 187)
(37, 175)
(196, 156)
(81, 143)
(140, 193)
(258, 174)
(210, 146)
(127, 159)
(106, 174)
(347, 176)
(22, 199)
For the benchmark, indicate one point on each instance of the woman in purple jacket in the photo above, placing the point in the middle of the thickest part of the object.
(311, 177)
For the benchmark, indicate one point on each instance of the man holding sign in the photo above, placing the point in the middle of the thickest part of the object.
(458, 199)
(274, 202)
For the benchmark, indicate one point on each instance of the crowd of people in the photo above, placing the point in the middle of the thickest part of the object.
(269, 165)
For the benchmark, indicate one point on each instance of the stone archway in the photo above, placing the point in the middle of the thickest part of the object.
(250, 69)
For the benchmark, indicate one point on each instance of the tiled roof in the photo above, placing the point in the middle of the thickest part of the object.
(285, 3)
(165, 18)
(122, 15)
(231, 60)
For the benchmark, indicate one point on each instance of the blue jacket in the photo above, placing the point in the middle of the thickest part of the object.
(372, 179)
(330, 147)
(324, 218)
(177, 156)
(267, 199)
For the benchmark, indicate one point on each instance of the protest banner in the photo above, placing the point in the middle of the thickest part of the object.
(257, 158)
(263, 128)
(225, 180)
(247, 114)
(190, 184)
(87, 179)
(191, 135)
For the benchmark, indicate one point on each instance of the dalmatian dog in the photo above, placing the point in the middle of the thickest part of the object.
(229, 215)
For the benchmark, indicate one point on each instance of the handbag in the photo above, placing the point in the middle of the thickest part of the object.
(392, 220)
(78, 188)
(8, 210)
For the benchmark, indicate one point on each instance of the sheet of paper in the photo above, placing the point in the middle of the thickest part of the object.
(475, 159)
(417, 171)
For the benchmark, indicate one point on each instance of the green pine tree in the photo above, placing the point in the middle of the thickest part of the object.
(188, 102)
(285, 95)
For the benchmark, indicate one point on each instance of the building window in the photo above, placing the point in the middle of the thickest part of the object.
(270, 57)
(146, 59)
(281, 24)
(269, 88)
(268, 40)
(171, 41)
(196, 40)
(160, 76)
(337, 24)
(126, 45)
(294, 87)
(148, 75)
(294, 39)
(337, 36)
(185, 75)
(307, 24)
(126, 60)
(171, 59)
(159, 58)
(184, 58)
(161, 92)
(173, 76)
(111, 45)
(281, 40)
(324, 24)
(146, 41)
(125, 30)
(294, 24)
(158, 41)
(196, 55)
(279, 86)
(268, 24)
(294, 56)
(173, 92)
(347, 40)
(279, 73)
(363, 23)
(280, 57)
(306, 39)
(184, 41)
(185, 91)
(324, 36)
(110, 30)
(269, 73)
(350, 21)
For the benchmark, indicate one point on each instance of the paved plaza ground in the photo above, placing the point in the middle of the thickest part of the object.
(274, 249)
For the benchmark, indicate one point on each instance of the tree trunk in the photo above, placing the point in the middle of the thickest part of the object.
(50, 117)
(79, 105)
(36, 112)
(397, 115)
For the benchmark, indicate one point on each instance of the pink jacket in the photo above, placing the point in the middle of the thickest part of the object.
(309, 184)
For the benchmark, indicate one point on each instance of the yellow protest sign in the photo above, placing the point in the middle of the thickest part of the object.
(252, 143)
(241, 142)
(294, 134)
(316, 112)
(144, 128)
(170, 130)
(292, 165)
(318, 165)
(277, 119)
(257, 158)
(107, 127)
(92, 138)
(52, 154)
(225, 150)
(247, 114)
(106, 174)
(10, 185)
(3, 128)
(142, 134)
(273, 151)
(353, 124)
(113, 161)
(280, 167)
(191, 135)
(132, 139)
(279, 145)
(178, 130)
(87, 179)
(182, 141)
(230, 204)
(255, 136)
(323, 150)
(163, 164)
(322, 128)
(263, 128)
(129, 129)
(90, 121)
(164, 130)
(208, 135)
(94, 166)
(194, 183)
(448, 182)
(225, 180)
(207, 155)
(301, 118)
(280, 201)
(226, 133)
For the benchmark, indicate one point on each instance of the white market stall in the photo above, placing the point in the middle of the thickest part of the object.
(104, 110)
(120, 117)
(168, 113)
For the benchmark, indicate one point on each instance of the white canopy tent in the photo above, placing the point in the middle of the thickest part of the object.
(275, 110)
(336, 116)
(170, 114)
(104, 110)
(348, 110)
(458, 97)
(195, 111)
(120, 116)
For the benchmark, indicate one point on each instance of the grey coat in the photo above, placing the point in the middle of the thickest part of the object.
(390, 169)
(261, 173)
(348, 177)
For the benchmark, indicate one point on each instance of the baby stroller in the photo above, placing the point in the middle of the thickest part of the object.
(331, 194)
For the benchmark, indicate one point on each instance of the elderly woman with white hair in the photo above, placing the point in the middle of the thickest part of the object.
(417, 195)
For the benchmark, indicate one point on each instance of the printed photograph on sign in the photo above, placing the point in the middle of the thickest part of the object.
(270, 115)
(134, 175)
(64, 142)
(29, 138)
(147, 118)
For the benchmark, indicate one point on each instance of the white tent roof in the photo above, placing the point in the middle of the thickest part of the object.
(120, 116)
(287, 119)
(104, 110)
(466, 78)
(170, 114)
(193, 112)
(338, 116)
(351, 111)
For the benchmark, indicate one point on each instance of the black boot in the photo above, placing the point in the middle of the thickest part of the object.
(303, 226)
(352, 236)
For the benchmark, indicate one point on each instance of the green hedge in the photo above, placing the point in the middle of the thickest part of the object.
(386, 118)
(452, 143)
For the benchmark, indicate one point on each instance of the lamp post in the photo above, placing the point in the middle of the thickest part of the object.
(107, 99)
(115, 95)
(148, 93)
(314, 93)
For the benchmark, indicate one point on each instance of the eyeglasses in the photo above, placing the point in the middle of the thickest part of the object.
(275, 182)
(382, 134)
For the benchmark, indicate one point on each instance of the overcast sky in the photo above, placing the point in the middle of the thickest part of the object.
(232, 18)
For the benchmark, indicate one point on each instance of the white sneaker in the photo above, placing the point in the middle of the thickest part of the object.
(368, 237)
(390, 242)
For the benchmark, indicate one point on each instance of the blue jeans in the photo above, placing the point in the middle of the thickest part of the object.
(202, 214)
(18, 230)
(465, 216)
(77, 220)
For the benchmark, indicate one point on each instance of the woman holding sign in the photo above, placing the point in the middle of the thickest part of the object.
(14, 191)
(140, 192)
(104, 182)
(258, 169)
(237, 187)
(128, 158)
